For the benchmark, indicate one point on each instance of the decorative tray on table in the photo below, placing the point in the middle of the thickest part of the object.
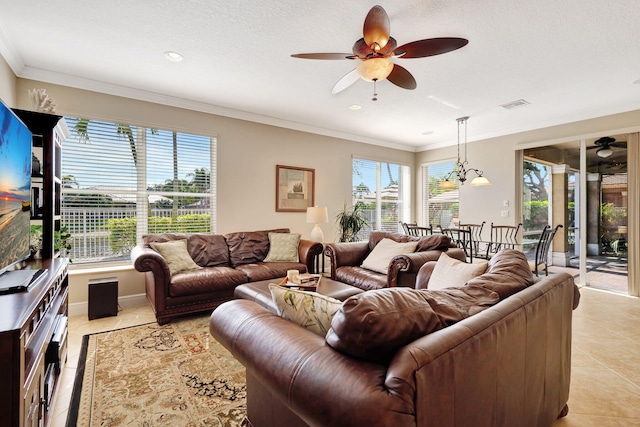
(304, 282)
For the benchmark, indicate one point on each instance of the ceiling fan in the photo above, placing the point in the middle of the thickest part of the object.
(376, 49)
(604, 145)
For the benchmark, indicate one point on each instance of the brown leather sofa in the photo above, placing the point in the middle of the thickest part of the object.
(346, 260)
(501, 359)
(226, 260)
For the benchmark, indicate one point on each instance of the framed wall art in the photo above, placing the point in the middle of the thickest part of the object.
(294, 188)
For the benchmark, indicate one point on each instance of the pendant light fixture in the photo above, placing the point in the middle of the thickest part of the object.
(460, 171)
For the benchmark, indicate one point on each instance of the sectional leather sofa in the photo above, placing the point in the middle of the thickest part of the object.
(501, 358)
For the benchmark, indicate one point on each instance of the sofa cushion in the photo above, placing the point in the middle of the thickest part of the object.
(283, 247)
(310, 310)
(380, 257)
(246, 247)
(269, 270)
(375, 324)
(208, 250)
(204, 281)
(425, 243)
(436, 241)
(507, 274)
(176, 254)
(449, 272)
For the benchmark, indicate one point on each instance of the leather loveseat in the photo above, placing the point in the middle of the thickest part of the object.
(347, 258)
(226, 261)
(499, 355)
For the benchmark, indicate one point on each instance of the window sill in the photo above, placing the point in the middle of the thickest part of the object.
(99, 268)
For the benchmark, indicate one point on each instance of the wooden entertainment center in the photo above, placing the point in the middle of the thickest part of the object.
(33, 345)
(33, 322)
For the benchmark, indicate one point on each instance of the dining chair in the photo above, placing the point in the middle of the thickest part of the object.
(463, 238)
(406, 225)
(501, 237)
(476, 235)
(542, 250)
(415, 230)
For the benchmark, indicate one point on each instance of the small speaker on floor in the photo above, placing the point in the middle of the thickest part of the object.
(103, 297)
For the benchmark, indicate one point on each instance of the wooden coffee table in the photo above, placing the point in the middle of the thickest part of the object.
(259, 291)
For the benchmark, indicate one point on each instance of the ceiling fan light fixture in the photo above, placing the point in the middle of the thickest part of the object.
(604, 152)
(375, 69)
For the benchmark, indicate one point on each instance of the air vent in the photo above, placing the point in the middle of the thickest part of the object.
(515, 104)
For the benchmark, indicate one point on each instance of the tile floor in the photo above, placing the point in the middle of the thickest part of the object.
(605, 379)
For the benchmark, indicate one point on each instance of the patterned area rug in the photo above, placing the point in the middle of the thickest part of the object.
(172, 375)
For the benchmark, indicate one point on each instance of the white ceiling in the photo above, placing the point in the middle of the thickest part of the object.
(570, 59)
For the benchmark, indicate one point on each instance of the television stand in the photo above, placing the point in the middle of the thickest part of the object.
(33, 339)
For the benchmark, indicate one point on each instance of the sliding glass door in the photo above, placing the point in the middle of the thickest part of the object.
(583, 186)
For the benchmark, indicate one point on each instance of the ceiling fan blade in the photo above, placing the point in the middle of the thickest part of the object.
(376, 27)
(431, 47)
(401, 77)
(347, 80)
(330, 56)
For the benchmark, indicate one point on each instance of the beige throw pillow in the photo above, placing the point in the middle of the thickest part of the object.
(176, 254)
(310, 310)
(382, 254)
(450, 272)
(283, 247)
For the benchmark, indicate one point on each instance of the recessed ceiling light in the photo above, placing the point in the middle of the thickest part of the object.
(173, 56)
(354, 107)
(427, 132)
(637, 82)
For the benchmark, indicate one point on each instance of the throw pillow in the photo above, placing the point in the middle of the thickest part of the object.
(379, 258)
(450, 272)
(310, 310)
(508, 273)
(374, 325)
(283, 247)
(176, 254)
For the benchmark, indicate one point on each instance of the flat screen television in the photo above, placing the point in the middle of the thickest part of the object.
(15, 189)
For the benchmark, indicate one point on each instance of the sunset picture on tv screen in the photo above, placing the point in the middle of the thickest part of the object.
(15, 188)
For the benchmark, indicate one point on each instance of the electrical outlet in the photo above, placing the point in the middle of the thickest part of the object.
(505, 203)
(504, 214)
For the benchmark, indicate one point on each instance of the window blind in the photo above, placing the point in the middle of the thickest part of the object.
(439, 206)
(122, 181)
(385, 191)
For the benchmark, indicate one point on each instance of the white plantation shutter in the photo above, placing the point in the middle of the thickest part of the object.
(122, 181)
(439, 206)
(385, 190)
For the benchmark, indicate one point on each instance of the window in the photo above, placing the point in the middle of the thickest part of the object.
(385, 190)
(439, 206)
(120, 182)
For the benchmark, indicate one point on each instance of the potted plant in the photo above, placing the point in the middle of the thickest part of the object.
(35, 241)
(62, 241)
(351, 221)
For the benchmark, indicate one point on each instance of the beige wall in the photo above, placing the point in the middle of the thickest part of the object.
(7, 84)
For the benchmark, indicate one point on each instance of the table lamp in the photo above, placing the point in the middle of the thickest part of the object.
(317, 215)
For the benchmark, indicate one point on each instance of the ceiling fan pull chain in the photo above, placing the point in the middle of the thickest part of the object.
(375, 94)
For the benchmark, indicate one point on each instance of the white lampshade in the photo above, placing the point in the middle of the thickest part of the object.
(604, 152)
(317, 215)
(479, 181)
(375, 69)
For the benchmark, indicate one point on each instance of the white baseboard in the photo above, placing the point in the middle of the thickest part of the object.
(82, 308)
